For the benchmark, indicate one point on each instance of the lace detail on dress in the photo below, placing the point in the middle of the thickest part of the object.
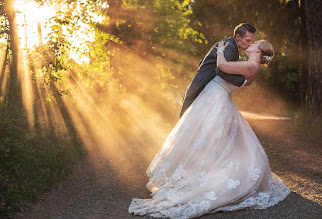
(203, 178)
(179, 174)
(231, 184)
(158, 176)
(254, 172)
(232, 165)
(200, 143)
(175, 196)
(210, 196)
(188, 210)
(163, 168)
(262, 200)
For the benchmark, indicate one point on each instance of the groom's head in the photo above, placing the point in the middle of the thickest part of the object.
(244, 35)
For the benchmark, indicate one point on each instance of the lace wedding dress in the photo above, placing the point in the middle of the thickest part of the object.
(211, 161)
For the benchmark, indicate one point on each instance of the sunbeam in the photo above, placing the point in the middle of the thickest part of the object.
(31, 20)
(113, 125)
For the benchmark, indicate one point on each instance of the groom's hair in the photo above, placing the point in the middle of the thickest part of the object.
(242, 28)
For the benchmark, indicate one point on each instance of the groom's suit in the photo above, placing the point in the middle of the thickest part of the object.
(208, 70)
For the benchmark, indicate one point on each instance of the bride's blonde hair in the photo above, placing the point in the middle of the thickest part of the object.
(267, 53)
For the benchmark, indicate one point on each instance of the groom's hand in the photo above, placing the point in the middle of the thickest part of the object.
(250, 80)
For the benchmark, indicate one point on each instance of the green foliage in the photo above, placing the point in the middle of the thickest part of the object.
(48, 68)
(172, 27)
(98, 72)
(170, 24)
(165, 76)
(30, 162)
(163, 29)
(75, 18)
(284, 75)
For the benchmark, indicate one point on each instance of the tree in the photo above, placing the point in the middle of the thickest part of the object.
(313, 10)
(14, 92)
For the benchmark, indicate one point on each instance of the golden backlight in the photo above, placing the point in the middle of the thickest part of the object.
(28, 16)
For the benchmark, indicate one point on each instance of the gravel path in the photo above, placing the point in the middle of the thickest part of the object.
(102, 187)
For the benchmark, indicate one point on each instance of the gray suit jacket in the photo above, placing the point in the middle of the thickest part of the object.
(208, 70)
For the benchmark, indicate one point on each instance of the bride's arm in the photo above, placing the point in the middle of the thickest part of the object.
(247, 69)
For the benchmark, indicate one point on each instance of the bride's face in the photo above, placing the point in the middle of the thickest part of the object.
(253, 48)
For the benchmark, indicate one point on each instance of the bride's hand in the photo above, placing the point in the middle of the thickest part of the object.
(222, 44)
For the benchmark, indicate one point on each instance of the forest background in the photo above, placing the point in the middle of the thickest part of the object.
(86, 75)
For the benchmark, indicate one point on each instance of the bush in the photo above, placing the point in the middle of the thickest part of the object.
(30, 162)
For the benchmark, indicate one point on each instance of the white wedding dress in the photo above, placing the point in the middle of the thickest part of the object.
(211, 161)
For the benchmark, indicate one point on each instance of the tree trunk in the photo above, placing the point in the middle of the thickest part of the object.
(303, 54)
(5, 58)
(14, 89)
(313, 13)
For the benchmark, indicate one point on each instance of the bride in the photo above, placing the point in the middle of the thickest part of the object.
(212, 160)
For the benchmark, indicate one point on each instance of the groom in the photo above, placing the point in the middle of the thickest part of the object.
(243, 38)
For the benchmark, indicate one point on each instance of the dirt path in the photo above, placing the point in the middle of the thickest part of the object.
(102, 188)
